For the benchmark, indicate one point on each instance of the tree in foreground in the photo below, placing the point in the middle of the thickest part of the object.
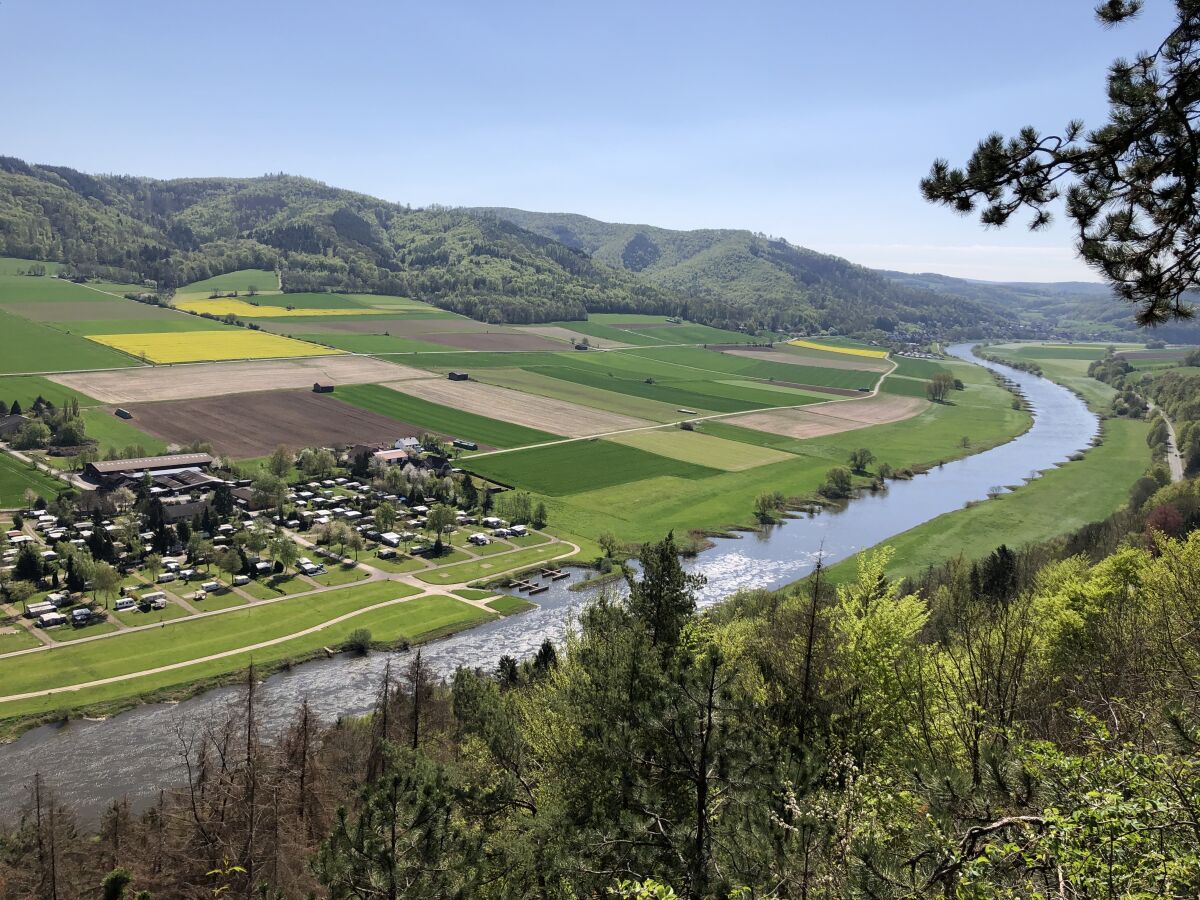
(1131, 186)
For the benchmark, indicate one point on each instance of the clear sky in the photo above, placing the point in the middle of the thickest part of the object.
(810, 121)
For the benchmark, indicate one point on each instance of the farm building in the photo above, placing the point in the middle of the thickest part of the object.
(390, 457)
(459, 376)
(10, 425)
(108, 472)
(319, 388)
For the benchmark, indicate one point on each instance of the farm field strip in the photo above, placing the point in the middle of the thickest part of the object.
(834, 348)
(540, 413)
(701, 449)
(189, 381)
(833, 418)
(438, 417)
(244, 310)
(34, 348)
(555, 469)
(786, 354)
(202, 346)
(530, 382)
(251, 425)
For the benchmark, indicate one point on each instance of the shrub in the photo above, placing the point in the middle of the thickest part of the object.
(359, 640)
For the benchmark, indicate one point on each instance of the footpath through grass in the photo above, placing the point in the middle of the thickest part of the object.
(412, 620)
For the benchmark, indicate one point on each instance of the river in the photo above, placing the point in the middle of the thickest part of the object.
(136, 753)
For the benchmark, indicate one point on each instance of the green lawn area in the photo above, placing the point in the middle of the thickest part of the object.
(473, 593)
(25, 389)
(135, 617)
(16, 477)
(580, 466)
(1062, 500)
(241, 280)
(270, 588)
(413, 620)
(338, 575)
(484, 568)
(508, 606)
(407, 564)
(116, 434)
(436, 417)
(226, 599)
(69, 632)
(22, 640)
(189, 639)
(27, 346)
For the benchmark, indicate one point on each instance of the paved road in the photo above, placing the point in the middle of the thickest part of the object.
(1174, 457)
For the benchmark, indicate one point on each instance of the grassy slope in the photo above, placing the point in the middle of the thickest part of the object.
(437, 417)
(241, 280)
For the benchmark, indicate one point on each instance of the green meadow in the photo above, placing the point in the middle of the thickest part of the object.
(17, 477)
(27, 388)
(33, 347)
(444, 419)
(581, 466)
(241, 281)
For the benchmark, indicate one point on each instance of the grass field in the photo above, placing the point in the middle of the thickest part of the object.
(581, 466)
(1062, 500)
(116, 434)
(701, 449)
(27, 388)
(205, 346)
(412, 620)
(242, 280)
(17, 477)
(504, 605)
(10, 265)
(439, 418)
(33, 347)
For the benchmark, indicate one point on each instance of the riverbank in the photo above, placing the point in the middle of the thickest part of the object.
(1063, 499)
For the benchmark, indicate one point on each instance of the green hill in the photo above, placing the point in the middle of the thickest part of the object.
(180, 231)
(735, 276)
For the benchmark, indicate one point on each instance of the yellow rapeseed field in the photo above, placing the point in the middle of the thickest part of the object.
(244, 310)
(204, 346)
(853, 351)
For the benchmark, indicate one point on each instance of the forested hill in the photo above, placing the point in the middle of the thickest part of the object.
(747, 276)
(1073, 308)
(178, 231)
(497, 265)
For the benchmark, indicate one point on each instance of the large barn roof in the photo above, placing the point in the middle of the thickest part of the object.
(141, 464)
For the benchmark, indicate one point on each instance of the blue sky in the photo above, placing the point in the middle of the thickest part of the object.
(810, 121)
